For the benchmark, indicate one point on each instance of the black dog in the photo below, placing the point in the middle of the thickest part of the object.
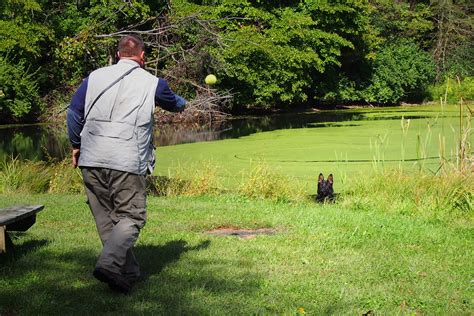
(325, 190)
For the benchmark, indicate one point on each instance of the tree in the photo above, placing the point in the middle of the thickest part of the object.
(453, 49)
(22, 50)
(84, 40)
(270, 52)
(401, 72)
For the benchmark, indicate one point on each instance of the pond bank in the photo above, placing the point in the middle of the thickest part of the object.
(450, 193)
(299, 145)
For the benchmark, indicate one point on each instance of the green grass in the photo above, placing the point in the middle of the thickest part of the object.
(326, 259)
(399, 240)
(374, 140)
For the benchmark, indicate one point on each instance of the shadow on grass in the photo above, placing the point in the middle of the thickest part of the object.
(154, 259)
(16, 252)
(59, 282)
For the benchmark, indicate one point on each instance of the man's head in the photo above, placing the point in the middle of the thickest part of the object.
(132, 47)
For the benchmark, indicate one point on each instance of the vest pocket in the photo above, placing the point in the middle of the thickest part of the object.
(110, 129)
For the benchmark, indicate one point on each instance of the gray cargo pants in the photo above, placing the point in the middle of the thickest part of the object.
(117, 200)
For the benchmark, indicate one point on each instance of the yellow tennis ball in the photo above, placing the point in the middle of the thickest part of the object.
(210, 79)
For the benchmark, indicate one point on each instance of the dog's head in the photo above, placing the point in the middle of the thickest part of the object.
(325, 189)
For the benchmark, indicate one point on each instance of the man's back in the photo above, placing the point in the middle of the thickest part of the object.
(118, 126)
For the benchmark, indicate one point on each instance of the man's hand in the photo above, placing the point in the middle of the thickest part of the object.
(76, 152)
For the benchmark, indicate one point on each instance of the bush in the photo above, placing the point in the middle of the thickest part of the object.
(23, 176)
(453, 90)
(19, 95)
(401, 72)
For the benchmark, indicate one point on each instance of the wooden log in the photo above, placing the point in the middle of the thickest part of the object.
(3, 239)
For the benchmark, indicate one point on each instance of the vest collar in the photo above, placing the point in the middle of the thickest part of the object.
(128, 61)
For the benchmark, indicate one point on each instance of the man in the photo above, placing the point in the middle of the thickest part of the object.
(110, 126)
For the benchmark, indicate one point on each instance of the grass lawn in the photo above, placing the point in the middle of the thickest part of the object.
(323, 260)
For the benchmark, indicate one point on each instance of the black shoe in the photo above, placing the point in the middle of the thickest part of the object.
(115, 281)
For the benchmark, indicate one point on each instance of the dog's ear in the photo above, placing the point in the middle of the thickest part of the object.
(330, 179)
(320, 178)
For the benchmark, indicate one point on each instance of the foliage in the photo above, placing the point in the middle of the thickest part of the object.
(60, 41)
(19, 95)
(460, 62)
(81, 46)
(269, 54)
(398, 71)
(401, 71)
(23, 35)
(395, 20)
(453, 48)
(453, 90)
(24, 41)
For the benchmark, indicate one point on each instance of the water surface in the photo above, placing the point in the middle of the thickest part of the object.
(46, 141)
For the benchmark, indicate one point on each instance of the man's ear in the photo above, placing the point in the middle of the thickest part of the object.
(142, 59)
(118, 55)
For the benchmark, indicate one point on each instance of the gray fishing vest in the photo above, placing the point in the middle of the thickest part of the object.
(118, 131)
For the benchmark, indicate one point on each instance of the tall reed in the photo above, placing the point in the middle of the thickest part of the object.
(265, 183)
(38, 177)
(464, 161)
(192, 180)
(412, 193)
(23, 176)
(64, 178)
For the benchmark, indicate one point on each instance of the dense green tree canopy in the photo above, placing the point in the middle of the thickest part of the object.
(270, 54)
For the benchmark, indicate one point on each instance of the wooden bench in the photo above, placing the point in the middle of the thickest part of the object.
(16, 218)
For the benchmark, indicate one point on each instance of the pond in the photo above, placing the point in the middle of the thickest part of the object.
(46, 141)
(299, 144)
(346, 143)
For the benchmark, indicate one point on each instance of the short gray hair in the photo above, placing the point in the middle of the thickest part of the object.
(131, 45)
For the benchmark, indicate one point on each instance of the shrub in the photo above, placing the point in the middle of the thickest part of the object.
(19, 95)
(453, 90)
(401, 72)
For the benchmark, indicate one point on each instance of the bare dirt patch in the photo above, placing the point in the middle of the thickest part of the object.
(242, 233)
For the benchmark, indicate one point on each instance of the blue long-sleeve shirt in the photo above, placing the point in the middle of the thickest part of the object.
(164, 98)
